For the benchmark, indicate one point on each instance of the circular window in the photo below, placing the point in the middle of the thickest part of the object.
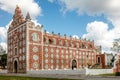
(35, 49)
(62, 66)
(35, 57)
(66, 51)
(51, 61)
(57, 61)
(35, 65)
(52, 67)
(76, 52)
(46, 55)
(46, 49)
(46, 66)
(57, 50)
(46, 61)
(20, 58)
(52, 55)
(62, 56)
(62, 51)
(70, 51)
(57, 56)
(66, 61)
(66, 56)
(23, 57)
(35, 36)
(52, 50)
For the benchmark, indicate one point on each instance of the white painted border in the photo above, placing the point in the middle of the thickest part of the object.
(27, 46)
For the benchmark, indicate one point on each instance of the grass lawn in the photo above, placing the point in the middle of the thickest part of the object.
(27, 78)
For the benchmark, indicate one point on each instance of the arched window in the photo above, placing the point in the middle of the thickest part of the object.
(46, 40)
(50, 41)
(82, 45)
(90, 46)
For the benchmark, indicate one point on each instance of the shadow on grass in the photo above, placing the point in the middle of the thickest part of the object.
(112, 74)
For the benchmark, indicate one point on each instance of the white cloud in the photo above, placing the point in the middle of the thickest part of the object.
(98, 31)
(75, 36)
(36, 22)
(4, 45)
(3, 35)
(25, 5)
(91, 7)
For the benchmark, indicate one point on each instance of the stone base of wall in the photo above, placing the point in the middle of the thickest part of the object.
(69, 72)
(3, 71)
(81, 71)
(98, 71)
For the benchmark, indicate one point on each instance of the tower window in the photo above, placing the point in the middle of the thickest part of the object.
(15, 50)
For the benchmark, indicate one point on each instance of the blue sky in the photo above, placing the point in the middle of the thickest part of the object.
(69, 23)
(95, 20)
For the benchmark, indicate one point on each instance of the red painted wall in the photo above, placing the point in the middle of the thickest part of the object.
(102, 60)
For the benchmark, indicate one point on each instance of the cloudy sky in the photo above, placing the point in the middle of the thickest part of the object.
(98, 20)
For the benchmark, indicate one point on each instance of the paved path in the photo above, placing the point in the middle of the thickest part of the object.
(75, 77)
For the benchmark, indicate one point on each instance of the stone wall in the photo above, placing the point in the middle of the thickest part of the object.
(98, 71)
(3, 71)
(69, 72)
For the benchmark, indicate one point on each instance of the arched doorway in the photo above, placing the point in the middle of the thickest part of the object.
(74, 64)
(15, 66)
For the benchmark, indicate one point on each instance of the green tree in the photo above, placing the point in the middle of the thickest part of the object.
(3, 57)
(116, 46)
(4, 60)
(116, 49)
(112, 61)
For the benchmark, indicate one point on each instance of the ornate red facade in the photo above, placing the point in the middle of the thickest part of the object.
(31, 48)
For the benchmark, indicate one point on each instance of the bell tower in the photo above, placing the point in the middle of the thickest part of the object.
(24, 44)
(16, 37)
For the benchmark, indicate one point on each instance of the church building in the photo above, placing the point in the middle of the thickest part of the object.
(30, 47)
